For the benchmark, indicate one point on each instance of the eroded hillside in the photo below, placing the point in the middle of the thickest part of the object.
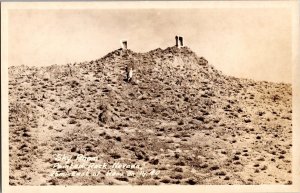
(179, 116)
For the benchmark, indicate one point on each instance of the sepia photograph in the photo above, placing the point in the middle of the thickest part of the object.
(150, 95)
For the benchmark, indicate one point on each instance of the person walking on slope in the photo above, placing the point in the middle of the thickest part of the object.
(129, 72)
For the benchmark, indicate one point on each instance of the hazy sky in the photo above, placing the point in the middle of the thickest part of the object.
(247, 42)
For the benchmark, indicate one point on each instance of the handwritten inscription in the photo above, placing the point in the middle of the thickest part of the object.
(82, 166)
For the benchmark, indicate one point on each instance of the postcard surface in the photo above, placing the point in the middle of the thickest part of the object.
(150, 96)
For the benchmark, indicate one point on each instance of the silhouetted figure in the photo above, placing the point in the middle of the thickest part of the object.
(124, 44)
(70, 69)
(179, 41)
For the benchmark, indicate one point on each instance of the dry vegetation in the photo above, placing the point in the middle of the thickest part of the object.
(179, 115)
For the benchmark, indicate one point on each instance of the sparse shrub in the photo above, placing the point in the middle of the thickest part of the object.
(247, 120)
(115, 155)
(88, 147)
(215, 167)
(226, 178)
(181, 122)
(275, 97)
(72, 121)
(74, 83)
(154, 161)
(221, 173)
(165, 180)
(118, 138)
(191, 181)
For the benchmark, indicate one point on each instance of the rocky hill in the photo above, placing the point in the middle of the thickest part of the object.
(179, 117)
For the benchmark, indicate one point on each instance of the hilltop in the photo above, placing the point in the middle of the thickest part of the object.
(180, 116)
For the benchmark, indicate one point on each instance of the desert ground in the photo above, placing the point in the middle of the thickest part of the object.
(179, 117)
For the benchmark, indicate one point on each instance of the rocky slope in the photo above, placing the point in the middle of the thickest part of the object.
(179, 116)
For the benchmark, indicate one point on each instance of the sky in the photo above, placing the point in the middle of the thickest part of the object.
(243, 42)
